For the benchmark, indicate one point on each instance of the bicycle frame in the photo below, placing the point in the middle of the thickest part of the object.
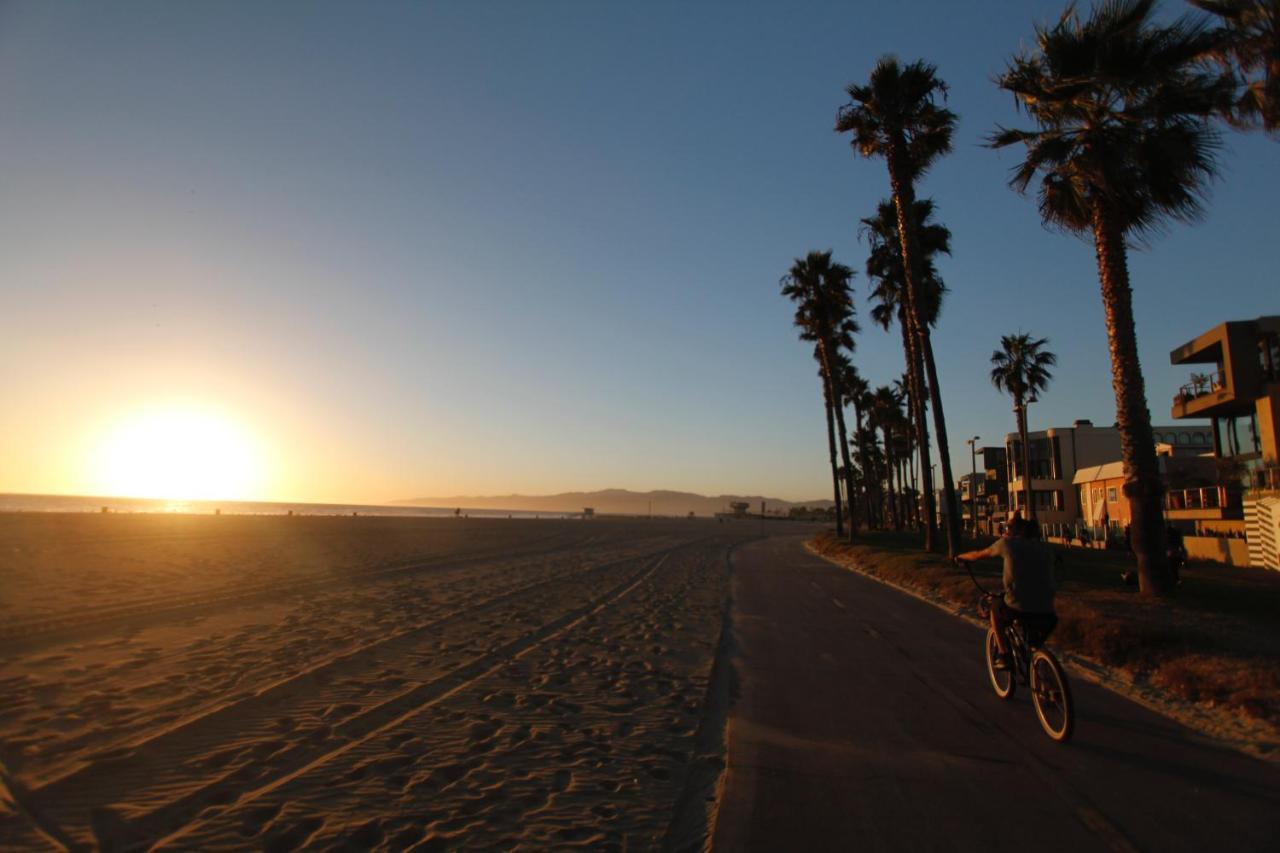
(1050, 698)
(1014, 632)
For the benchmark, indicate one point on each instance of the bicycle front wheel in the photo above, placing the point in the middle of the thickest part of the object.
(1051, 694)
(1002, 680)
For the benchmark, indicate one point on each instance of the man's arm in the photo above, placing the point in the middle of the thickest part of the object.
(989, 551)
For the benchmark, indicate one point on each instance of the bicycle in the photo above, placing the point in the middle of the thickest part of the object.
(1032, 665)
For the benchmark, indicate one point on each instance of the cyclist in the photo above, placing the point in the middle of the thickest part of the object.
(1028, 584)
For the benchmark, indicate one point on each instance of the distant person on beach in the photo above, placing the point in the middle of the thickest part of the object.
(1028, 584)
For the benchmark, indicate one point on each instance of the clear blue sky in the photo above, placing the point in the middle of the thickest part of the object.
(439, 248)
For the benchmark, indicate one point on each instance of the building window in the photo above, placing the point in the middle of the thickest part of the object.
(1048, 499)
(1269, 355)
(1111, 494)
(1238, 436)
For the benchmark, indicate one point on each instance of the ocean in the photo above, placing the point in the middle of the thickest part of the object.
(90, 503)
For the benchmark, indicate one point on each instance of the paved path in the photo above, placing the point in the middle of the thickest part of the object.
(865, 722)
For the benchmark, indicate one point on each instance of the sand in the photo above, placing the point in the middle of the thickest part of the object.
(274, 682)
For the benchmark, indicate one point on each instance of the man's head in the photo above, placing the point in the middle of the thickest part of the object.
(1024, 528)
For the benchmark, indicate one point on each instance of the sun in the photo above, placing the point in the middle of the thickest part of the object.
(179, 452)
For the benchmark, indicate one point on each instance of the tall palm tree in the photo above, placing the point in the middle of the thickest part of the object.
(886, 413)
(1123, 143)
(855, 391)
(897, 116)
(902, 387)
(886, 269)
(824, 315)
(1020, 368)
(1250, 46)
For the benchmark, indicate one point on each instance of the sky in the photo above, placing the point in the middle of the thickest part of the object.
(418, 249)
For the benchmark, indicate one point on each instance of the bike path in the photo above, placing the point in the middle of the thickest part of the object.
(864, 720)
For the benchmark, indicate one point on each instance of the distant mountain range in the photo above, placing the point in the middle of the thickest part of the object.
(614, 502)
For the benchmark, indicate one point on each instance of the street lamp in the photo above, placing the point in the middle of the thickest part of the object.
(973, 486)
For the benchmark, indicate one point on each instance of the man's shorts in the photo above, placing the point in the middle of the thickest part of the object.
(1038, 625)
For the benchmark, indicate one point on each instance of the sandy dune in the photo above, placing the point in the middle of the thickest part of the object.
(367, 683)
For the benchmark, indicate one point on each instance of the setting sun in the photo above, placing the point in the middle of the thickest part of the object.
(179, 452)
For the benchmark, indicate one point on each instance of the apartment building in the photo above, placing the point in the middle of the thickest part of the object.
(1058, 453)
(1240, 392)
(984, 491)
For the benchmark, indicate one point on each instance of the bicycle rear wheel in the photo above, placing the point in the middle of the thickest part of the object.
(1002, 680)
(1051, 694)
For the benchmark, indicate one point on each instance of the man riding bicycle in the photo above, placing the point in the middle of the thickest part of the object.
(1028, 584)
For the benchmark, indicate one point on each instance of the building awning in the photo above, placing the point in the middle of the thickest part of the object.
(1094, 473)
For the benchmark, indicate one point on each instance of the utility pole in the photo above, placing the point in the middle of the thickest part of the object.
(973, 485)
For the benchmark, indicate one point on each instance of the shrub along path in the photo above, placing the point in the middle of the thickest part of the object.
(1210, 657)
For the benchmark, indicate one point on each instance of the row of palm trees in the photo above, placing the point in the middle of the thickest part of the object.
(1125, 112)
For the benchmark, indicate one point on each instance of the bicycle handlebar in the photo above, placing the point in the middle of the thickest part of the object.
(968, 567)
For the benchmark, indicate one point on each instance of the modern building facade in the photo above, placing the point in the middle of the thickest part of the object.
(984, 492)
(1059, 452)
(1239, 389)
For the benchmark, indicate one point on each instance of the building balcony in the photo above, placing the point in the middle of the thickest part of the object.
(1206, 395)
(1208, 502)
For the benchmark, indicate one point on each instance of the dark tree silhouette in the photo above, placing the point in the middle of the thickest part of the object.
(897, 116)
(1123, 142)
(1020, 368)
(1249, 45)
(825, 316)
(886, 269)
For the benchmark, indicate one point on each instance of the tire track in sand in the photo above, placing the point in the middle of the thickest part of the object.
(25, 635)
(208, 745)
(168, 825)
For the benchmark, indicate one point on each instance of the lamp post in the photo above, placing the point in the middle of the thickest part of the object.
(973, 485)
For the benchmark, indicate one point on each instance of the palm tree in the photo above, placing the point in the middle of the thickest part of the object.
(1249, 45)
(1020, 368)
(824, 315)
(896, 116)
(1123, 143)
(886, 413)
(855, 391)
(886, 269)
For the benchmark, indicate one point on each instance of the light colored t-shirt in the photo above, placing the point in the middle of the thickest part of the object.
(1028, 574)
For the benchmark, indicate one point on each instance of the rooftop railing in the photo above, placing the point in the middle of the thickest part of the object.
(1200, 385)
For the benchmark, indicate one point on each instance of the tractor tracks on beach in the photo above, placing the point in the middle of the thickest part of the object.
(26, 635)
(156, 787)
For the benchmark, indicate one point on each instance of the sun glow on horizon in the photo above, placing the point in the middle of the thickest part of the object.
(179, 452)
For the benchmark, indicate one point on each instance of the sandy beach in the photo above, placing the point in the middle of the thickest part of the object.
(278, 682)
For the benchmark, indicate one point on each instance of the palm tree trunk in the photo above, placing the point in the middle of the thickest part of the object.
(862, 460)
(848, 465)
(915, 395)
(1020, 409)
(1137, 444)
(831, 449)
(944, 450)
(902, 482)
(889, 465)
(915, 491)
(904, 196)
